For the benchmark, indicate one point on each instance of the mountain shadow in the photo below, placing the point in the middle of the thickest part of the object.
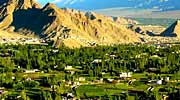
(170, 32)
(31, 21)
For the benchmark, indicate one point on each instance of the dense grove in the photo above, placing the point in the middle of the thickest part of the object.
(113, 59)
(89, 62)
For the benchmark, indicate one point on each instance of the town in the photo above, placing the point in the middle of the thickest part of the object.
(119, 72)
(22, 40)
(89, 50)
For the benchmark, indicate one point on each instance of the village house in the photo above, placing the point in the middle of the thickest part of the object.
(68, 96)
(125, 75)
(13, 77)
(103, 73)
(109, 80)
(28, 79)
(165, 97)
(74, 85)
(77, 83)
(32, 71)
(113, 56)
(97, 61)
(81, 79)
(68, 83)
(55, 51)
(167, 78)
(5, 55)
(70, 69)
(99, 81)
(156, 82)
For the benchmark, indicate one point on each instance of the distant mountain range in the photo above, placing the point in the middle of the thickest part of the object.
(139, 13)
(162, 5)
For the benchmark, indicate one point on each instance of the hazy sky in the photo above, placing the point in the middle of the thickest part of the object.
(89, 4)
(60, 2)
(101, 4)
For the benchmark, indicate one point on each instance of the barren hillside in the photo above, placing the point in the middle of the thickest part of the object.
(73, 28)
(63, 26)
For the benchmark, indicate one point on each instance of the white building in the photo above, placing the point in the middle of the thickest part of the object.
(32, 71)
(159, 82)
(156, 82)
(68, 67)
(125, 75)
(81, 79)
(97, 61)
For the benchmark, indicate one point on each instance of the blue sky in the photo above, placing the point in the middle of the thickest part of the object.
(102, 4)
(60, 2)
(89, 4)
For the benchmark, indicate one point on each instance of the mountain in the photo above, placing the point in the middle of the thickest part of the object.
(173, 30)
(68, 27)
(139, 13)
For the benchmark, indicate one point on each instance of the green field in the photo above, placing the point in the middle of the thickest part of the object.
(155, 21)
(101, 90)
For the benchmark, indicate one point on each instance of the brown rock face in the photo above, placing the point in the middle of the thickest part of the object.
(63, 26)
(20, 4)
(27, 4)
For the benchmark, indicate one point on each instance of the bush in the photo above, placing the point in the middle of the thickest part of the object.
(31, 84)
(18, 86)
(137, 83)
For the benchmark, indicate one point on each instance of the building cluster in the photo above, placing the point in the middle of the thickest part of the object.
(159, 40)
(19, 40)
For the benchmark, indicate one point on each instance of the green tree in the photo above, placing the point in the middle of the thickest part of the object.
(24, 96)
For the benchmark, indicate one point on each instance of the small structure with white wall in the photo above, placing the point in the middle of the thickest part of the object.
(156, 82)
(31, 71)
(68, 67)
(125, 75)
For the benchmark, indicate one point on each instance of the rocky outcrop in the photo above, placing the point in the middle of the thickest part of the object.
(63, 26)
(173, 30)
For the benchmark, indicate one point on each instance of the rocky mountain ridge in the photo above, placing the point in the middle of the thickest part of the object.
(173, 30)
(69, 27)
(63, 26)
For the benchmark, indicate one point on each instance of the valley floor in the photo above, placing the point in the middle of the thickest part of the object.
(128, 72)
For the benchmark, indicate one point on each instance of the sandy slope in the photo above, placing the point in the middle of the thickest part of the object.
(5, 34)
